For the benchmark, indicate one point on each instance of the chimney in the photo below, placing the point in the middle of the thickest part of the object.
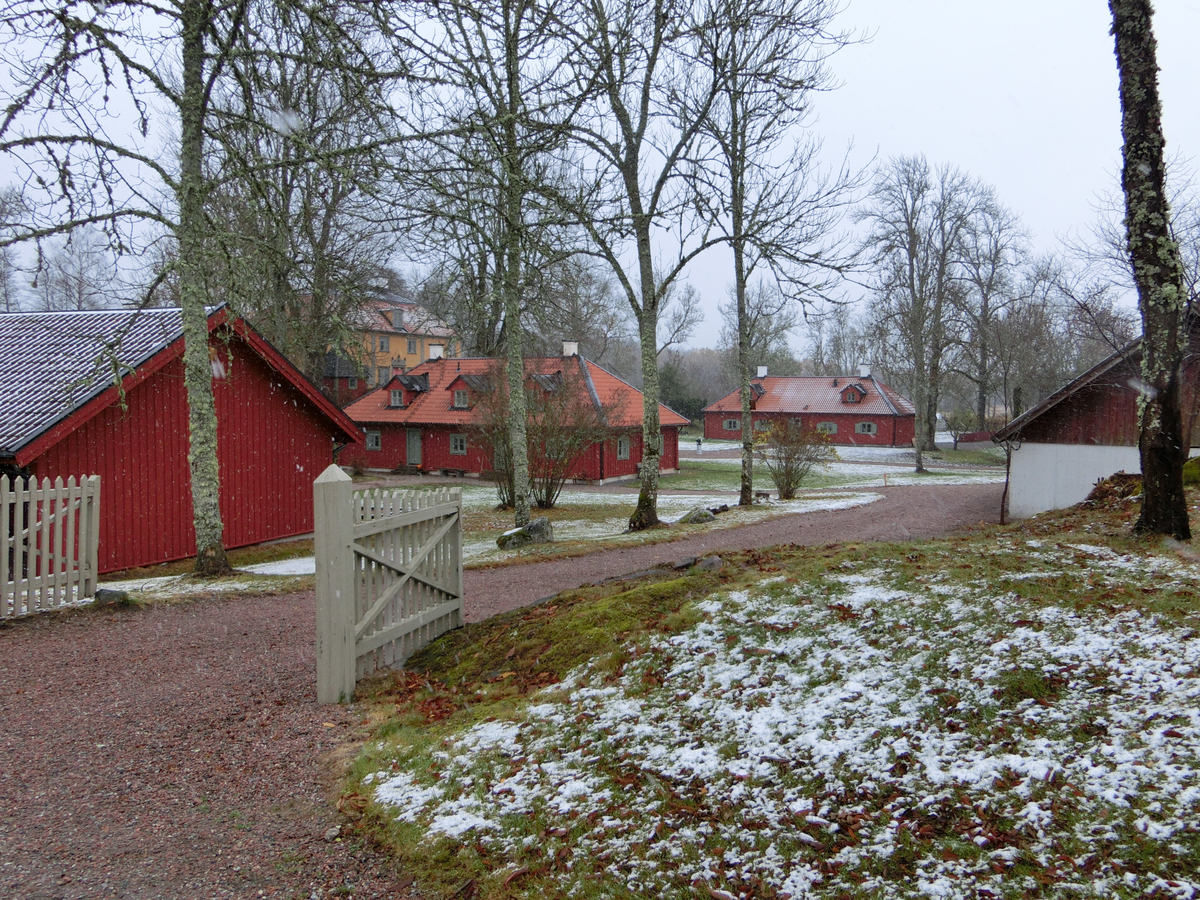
(762, 372)
(570, 348)
(864, 370)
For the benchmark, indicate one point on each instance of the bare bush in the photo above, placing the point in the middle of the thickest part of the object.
(788, 451)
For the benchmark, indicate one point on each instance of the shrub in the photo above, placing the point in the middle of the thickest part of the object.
(788, 450)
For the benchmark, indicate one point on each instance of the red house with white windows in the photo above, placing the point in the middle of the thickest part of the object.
(102, 393)
(429, 419)
(851, 409)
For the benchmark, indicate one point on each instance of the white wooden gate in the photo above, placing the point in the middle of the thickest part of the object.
(49, 543)
(389, 577)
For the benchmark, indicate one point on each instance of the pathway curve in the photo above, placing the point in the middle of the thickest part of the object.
(178, 751)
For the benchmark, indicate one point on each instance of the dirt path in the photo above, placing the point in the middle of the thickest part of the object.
(178, 751)
(904, 513)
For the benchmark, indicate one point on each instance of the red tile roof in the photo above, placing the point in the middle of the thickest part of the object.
(819, 395)
(435, 406)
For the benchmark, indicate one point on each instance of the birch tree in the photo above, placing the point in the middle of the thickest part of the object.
(78, 68)
(1158, 271)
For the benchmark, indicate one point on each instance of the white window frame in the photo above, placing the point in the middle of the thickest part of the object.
(866, 428)
(459, 441)
(827, 427)
(623, 446)
(374, 440)
(385, 343)
(383, 375)
(397, 399)
(732, 425)
(412, 345)
(462, 400)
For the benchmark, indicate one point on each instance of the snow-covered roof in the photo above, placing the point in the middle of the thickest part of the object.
(51, 363)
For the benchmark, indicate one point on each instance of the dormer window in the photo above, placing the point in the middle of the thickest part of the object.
(397, 319)
(461, 400)
(397, 399)
(853, 394)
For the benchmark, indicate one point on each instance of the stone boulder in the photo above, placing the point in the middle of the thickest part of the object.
(539, 531)
(696, 516)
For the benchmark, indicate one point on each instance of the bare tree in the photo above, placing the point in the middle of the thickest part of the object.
(757, 330)
(641, 132)
(916, 218)
(79, 274)
(836, 341)
(1158, 271)
(992, 248)
(768, 59)
(789, 451)
(12, 210)
(499, 113)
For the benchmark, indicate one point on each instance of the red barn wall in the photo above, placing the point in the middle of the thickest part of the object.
(435, 450)
(890, 431)
(271, 445)
(670, 450)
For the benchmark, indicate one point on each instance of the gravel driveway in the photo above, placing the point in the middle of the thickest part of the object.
(178, 751)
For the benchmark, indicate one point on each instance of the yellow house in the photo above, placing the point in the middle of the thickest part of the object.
(398, 335)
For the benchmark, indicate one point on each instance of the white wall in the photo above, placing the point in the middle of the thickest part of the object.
(1054, 476)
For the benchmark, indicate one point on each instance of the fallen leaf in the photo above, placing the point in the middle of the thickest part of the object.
(513, 876)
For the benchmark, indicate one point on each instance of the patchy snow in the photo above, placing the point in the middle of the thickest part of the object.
(866, 734)
(304, 565)
(671, 507)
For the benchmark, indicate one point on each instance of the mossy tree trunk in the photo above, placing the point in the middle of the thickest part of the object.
(1158, 273)
(202, 413)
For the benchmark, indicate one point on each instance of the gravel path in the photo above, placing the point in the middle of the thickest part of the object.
(905, 513)
(178, 751)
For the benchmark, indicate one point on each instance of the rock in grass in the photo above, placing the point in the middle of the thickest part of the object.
(711, 564)
(696, 517)
(539, 531)
(106, 597)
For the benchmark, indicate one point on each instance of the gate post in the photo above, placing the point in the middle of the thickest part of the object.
(333, 539)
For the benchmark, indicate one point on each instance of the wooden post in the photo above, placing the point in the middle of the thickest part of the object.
(333, 537)
(91, 562)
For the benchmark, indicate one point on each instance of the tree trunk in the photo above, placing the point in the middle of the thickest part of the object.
(514, 226)
(646, 514)
(1158, 272)
(202, 413)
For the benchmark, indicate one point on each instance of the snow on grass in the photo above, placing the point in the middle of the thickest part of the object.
(863, 734)
(303, 565)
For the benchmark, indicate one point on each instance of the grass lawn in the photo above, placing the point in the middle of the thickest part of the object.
(1010, 714)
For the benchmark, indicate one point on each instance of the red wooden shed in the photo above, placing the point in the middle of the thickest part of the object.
(102, 393)
(851, 409)
(429, 419)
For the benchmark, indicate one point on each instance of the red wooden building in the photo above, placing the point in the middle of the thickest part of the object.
(1087, 431)
(429, 419)
(851, 409)
(61, 413)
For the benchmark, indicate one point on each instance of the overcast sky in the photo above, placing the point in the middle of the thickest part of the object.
(1021, 93)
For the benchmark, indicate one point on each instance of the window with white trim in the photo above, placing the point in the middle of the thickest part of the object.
(412, 345)
(384, 375)
(458, 445)
(732, 424)
(864, 428)
(827, 427)
(385, 344)
(398, 399)
(374, 441)
(623, 447)
(461, 400)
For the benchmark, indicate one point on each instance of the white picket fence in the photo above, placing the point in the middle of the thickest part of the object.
(49, 543)
(389, 577)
